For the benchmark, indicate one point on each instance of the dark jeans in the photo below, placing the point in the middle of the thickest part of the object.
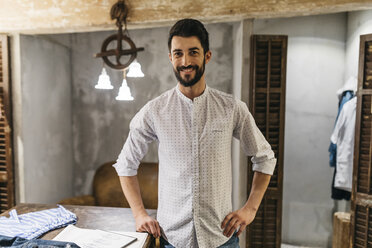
(33, 243)
(233, 242)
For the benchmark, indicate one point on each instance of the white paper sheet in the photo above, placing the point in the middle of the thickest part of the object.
(141, 238)
(90, 238)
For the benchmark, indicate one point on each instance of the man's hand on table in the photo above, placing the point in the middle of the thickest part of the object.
(240, 218)
(145, 223)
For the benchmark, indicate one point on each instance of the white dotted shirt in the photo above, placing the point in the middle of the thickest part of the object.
(194, 145)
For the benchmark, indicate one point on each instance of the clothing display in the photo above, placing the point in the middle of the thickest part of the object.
(339, 194)
(350, 85)
(194, 148)
(343, 136)
(34, 224)
(17, 242)
(346, 96)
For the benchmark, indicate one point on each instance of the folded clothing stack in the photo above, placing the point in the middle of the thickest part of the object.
(34, 224)
(17, 242)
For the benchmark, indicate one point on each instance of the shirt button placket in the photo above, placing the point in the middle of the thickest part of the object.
(195, 142)
(193, 155)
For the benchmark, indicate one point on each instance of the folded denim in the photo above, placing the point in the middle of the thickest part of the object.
(34, 224)
(17, 242)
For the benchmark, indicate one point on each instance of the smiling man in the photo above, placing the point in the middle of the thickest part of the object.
(194, 126)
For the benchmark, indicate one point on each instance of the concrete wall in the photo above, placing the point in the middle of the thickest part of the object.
(315, 65)
(46, 120)
(100, 123)
(241, 37)
(359, 23)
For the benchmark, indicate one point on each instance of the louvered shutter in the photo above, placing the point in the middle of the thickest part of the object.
(267, 105)
(6, 161)
(361, 210)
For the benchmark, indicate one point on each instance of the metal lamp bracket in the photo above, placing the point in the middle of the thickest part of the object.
(119, 12)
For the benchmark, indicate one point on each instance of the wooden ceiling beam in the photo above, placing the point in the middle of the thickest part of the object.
(50, 16)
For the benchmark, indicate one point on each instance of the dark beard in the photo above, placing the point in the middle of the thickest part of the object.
(190, 81)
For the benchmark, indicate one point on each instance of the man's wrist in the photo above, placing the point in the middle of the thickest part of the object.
(140, 213)
(250, 208)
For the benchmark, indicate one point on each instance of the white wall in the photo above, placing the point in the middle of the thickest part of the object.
(315, 66)
(358, 23)
(241, 41)
(46, 132)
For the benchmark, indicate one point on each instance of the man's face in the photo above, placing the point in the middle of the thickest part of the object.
(188, 59)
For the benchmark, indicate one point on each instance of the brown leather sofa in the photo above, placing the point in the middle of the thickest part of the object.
(107, 190)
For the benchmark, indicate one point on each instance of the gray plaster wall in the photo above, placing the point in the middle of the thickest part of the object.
(315, 71)
(359, 23)
(100, 123)
(242, 32)
(46, 119)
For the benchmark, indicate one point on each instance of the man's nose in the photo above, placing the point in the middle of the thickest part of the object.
(186, 60)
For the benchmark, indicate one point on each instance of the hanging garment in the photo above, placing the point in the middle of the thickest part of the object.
(350, 85)
(343, 137)
(344, 94)
(339, 194)
(332, 149)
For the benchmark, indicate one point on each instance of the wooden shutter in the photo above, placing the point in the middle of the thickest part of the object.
(267, 105)
(6, 158)
(361, 208)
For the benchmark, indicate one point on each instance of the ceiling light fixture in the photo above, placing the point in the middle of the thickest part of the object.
(104, 82)
(124, 90)
(119, 11)
(135, 70)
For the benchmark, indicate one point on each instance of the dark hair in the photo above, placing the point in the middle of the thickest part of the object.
(188, 28)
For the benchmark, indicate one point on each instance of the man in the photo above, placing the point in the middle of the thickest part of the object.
(193, 126)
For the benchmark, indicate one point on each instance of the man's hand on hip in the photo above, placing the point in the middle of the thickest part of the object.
(145, 223)
(238, 219)
(244, 216)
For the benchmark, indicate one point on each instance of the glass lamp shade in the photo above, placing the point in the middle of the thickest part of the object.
(104, 81)
(135, 70)
(124, 92)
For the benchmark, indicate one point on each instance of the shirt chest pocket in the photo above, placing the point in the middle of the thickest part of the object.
(218, 128)
(219, 140)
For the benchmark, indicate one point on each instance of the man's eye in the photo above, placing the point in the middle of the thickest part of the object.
(178, 54)
(194, 52)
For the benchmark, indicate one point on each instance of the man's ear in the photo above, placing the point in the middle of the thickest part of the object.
(208, 56)
(170, 56)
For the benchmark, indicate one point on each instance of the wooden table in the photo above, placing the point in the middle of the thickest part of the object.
(103, 218)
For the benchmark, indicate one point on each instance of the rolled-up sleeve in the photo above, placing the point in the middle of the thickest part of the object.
(252, 141)
(141, 134)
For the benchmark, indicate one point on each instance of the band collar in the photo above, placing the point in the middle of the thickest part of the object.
(196, 99)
